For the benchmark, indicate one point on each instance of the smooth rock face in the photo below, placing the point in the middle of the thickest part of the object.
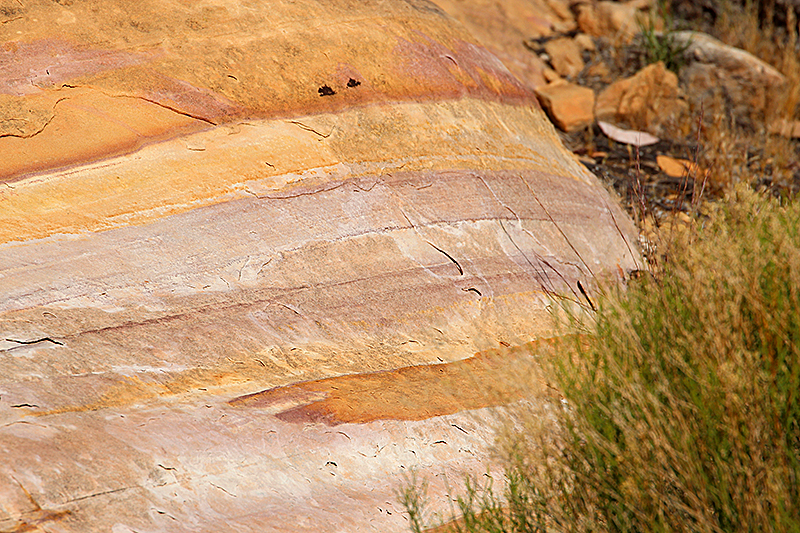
(204, 201)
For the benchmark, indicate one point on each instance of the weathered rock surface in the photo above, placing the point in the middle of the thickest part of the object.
(745, 83)
(504, 26)
(648, 101)
(565, 56)
(617, 20)
(201, 202)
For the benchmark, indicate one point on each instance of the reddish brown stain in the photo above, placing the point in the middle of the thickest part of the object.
(29, 67)
(419, 70)
(489, 378)
(465, 70)
(33, 521)
(196, 102)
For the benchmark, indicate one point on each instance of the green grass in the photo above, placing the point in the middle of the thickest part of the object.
(662, 46)
(682, 411)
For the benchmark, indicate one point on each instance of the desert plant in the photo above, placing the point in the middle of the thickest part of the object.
(412, 497)
(687, 419)
(662, 45)
(683, 408)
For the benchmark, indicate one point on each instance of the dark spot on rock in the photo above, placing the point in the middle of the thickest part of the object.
(353, 83)
(326, 91)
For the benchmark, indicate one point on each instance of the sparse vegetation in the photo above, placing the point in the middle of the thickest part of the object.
(662, 45)
(740, 149)
(681, 394)
(729, 146)
(683, 410)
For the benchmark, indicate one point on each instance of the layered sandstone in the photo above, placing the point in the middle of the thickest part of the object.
(205, 201)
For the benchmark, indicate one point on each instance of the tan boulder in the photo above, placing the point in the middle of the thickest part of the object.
(565, 56)
(235, 238)
(569, 106)
(745, 84)
(648, 101)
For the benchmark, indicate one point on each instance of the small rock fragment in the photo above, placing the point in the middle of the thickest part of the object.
(676, 168)
(599, 70)
(565, 56)
(551, 75)
(568, 105)
(785, 128)
(585, 42)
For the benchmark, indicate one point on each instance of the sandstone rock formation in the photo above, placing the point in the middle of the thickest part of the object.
(205, 202)
(503, 27)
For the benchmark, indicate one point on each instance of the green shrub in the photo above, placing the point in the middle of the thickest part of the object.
(683, 408)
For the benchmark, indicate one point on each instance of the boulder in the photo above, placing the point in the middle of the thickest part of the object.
(236, 239)
(568, 105)
(648, 101)
(745, 84)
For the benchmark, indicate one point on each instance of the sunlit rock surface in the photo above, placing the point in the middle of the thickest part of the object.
(203, 201)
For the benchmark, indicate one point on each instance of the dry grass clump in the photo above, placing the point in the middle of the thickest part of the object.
(741, 25)
(682, 413)
(688, 418)
(734, 154)
(743, 149)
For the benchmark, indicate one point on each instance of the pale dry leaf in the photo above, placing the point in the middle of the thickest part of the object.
(636, 138)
